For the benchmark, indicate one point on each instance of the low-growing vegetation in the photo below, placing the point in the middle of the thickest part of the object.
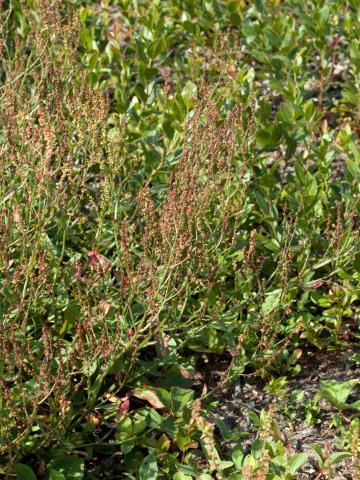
(179, 205)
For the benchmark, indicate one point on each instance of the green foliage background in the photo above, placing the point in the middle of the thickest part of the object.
(178, 177)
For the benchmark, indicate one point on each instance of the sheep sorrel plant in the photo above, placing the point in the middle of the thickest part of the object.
(74, 320)
(179, 206)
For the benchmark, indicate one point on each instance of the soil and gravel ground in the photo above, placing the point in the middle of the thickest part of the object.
(235, 403)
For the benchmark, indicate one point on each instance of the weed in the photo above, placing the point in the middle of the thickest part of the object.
(178, 178)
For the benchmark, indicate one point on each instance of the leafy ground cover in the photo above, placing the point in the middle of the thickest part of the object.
(179, 205)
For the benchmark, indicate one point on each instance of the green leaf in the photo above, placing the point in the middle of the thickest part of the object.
(337, 392)
(154, 48)
(338, 457)
(229, 434)
(216, 341)
(268, 138)
(181, 476)
(189, 93)
(71, 315)
(183, 440)
(187, 469)
(355, 405)
(140, 93)
(55, 475)
(318, 453)
(148, 468)
(356, 152)
(324, 13)
(271, 301)
(127, 446)
(285, 113)
(150, 73)
(163, 444)
(263, 203)
(23, 472)
(353, 169)
(72, 467)
(297, 462)
(237, 456)
(311, 187)
(125, 425)
(299, 170)
(180, 397)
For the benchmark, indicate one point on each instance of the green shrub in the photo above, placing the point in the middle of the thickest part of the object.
(177, 178)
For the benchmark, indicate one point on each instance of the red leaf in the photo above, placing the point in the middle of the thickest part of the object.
(186, 373)
(150, 396)
(317, 284)
(125, 405)
(130, 332)
(97, 260)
